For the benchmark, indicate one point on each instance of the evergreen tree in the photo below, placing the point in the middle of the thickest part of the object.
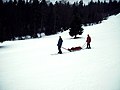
(19, 18)
(44, 13)
(76, 27)
(51, 24)
(76, 24)
(1, 19)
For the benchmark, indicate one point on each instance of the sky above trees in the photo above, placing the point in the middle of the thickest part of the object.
(72, 1)
(85, 1)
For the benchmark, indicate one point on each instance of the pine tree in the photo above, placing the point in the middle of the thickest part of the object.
(76, 27)
(76, 24)
(50, 27)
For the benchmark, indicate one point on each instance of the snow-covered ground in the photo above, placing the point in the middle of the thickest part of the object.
(31, 65)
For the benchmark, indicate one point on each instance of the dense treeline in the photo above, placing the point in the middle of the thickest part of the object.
(22, 18)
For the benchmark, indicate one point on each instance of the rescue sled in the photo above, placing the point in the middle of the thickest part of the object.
(73, 48)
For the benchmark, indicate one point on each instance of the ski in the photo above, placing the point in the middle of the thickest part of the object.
(59, 53)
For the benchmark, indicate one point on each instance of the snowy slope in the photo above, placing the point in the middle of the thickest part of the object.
(30, 65)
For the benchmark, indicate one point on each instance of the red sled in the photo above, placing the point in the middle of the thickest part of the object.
(73, 48)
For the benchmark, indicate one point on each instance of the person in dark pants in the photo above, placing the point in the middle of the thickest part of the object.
(60, 41)
(88, 41)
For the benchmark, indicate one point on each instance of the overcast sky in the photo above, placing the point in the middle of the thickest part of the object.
(84, 1)
(72, 1)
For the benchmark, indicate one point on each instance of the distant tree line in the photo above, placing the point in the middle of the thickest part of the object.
(22, 18)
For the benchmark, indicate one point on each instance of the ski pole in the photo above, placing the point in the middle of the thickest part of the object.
(65, 48)
(84, 45)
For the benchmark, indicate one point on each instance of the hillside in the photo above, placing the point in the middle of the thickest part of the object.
(30, 65)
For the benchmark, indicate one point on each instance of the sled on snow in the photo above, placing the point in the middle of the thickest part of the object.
(73, 48)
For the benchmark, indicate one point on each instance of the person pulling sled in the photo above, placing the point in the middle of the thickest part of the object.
(88, 41)
(60, 41)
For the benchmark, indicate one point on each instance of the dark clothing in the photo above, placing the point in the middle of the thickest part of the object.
(75, 48)
(88, 41)
(88, 46)
(60, 41)
(59, 50)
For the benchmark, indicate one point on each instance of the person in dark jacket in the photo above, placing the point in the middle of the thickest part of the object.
(88, 41)
(60, 41)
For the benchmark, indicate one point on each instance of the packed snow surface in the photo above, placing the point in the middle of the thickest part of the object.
(32, 64)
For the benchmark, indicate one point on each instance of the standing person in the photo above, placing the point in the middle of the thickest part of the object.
(88, 41)
(60, 41)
